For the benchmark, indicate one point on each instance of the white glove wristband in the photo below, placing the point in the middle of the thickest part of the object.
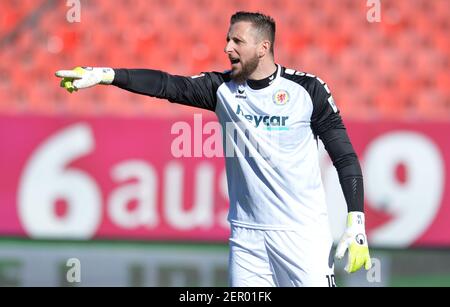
(355, 241)
(108, 75)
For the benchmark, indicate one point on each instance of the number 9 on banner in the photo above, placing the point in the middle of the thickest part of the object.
(412, 204)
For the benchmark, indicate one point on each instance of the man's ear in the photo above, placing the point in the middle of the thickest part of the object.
(264, 48)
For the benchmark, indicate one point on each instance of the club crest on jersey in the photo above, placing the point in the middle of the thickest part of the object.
(281, 97)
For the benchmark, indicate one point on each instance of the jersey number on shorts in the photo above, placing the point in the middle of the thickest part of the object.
(331, 281)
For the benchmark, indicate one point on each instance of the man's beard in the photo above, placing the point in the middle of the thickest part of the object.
(247, 69)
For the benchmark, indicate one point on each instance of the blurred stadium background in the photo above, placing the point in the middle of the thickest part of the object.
(91, 176)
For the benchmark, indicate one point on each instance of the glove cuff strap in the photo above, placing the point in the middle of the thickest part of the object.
(356, 219)
(108, 75)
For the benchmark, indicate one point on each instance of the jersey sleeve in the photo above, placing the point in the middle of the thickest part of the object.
(198, 91)
(327, 124)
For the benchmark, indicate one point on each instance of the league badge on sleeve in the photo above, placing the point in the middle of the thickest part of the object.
(332, 104)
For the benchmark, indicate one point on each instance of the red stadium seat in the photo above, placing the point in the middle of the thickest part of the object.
(375, 69)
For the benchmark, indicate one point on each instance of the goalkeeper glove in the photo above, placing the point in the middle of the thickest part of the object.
(354, 239)
(84, 77)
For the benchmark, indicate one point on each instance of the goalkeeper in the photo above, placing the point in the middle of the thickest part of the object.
(280, 234)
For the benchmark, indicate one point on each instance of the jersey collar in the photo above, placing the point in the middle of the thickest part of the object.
(263, 83)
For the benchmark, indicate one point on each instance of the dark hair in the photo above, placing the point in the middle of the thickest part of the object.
(264, 24)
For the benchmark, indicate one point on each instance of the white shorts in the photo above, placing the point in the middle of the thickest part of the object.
(268, 258)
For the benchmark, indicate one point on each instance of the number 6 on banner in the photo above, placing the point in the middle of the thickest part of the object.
(47, 179)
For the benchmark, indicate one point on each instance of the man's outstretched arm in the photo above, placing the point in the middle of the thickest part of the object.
(198, 91)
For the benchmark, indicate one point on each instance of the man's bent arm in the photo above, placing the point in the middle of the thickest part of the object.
(344, 158)
(327, 123)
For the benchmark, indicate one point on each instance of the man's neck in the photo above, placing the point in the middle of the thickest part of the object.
(264, 70)
(262, 83)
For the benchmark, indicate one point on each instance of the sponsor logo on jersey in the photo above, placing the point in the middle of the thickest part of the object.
(267, 122)
(241, 92)
(281, 97)
(271, 79)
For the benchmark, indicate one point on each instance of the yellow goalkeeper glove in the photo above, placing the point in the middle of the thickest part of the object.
(355, 240)
(84, 77)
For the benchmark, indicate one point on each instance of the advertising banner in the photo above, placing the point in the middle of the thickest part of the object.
(164, 179)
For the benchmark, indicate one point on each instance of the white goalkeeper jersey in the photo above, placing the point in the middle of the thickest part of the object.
(271, 152)
(270, 141)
